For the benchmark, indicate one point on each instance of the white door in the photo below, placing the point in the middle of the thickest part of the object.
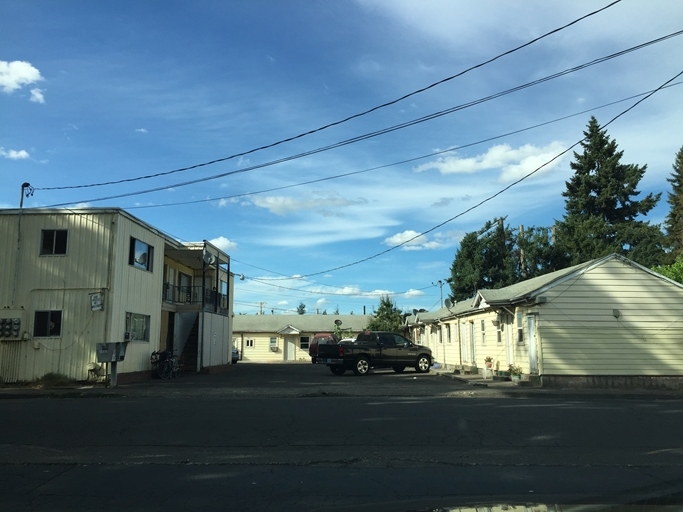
(531, 325)
(472, 345)
(509, 340)
(463, 343)
(290, 348)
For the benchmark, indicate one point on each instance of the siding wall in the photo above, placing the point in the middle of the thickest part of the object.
(580, 334)
(261, 353)
(136, 290)
(55, 282)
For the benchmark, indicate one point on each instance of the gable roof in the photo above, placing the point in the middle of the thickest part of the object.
(301, 323)
(529, 289)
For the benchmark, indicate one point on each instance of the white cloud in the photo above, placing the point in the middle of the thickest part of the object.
(141, 130)
(513, 163)
(12, 154)
(326, 205)
(37, 96)
(223, 244)
(16, 74)
(413, 241)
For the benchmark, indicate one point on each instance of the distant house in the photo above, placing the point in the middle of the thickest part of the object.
(70, 279)
(275, 338)
(609, 322)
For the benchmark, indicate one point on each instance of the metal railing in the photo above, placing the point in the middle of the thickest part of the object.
(213, 301)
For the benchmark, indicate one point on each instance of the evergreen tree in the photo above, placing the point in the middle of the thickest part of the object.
(485, 259)
(387, 317)
(301, 309)
(600, 205)
(674, 220)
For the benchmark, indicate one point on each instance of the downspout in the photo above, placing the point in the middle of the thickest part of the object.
(200, 341)
(108, 299)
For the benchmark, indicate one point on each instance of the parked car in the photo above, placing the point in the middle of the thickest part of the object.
(235, 355)
(321, 338)
(375, 349)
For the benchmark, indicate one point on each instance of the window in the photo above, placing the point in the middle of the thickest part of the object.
(249, 343)
(273, 342)
(53, 241)
(137, 327)
(303, 342)
(520, 329)
(47, 324)
(141, 254)
(448, 333)
(483, 332)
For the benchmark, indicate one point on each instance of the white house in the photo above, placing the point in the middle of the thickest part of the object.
(609, 322)
(72, 278)
(275, 338)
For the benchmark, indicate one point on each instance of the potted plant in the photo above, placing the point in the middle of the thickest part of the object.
(515, 372)
(489, 361)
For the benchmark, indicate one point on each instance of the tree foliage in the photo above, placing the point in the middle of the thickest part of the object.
(674, 220)
(301, 309)
(601, 208)
(387, 317)
(673, 271)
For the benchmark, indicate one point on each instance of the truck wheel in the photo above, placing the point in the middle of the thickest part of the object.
(361, 366)
(423, 363)
(314, 360)
(398, 369)
(338, 369)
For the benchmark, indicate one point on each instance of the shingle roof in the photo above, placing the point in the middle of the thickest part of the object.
(303, 323)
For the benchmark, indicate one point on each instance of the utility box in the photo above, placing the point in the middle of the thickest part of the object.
(111, 352)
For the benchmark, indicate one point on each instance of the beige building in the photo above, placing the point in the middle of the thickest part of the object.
(72, 278)
(277, 338)
(606, 323)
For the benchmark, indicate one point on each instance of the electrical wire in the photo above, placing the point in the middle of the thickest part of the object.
(390, 129)
(493, 196)
(401, 162)
(346, 119)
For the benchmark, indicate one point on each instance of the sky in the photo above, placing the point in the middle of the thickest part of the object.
(254, 125)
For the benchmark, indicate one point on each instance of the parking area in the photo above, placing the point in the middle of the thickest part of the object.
(298, 380)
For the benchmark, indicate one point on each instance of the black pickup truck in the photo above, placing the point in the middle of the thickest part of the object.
(375, 349)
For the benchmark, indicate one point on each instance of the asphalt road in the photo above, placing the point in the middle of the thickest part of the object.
(295, 437)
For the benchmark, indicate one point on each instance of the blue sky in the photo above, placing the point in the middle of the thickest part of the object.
(93, 92)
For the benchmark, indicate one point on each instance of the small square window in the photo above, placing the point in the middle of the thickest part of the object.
(141, 254)
(47, 324)
(53, 241)
(303, 342)
(249, 343)
(137, 327)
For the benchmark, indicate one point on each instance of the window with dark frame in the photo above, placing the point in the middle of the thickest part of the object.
(53, 241)
(304, 342)
(47, 324)
(141, 254)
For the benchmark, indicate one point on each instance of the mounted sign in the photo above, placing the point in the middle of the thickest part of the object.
(97, 301)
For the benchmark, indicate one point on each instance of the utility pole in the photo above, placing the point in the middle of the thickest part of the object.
(439, 283)
(260, 306)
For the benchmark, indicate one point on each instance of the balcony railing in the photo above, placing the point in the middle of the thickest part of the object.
(213, 301)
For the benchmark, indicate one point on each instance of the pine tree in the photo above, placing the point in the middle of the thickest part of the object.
(387, 317)
(600, 205)
(674, 220)
(486, 259)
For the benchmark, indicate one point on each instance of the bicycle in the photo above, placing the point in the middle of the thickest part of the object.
(165, 364)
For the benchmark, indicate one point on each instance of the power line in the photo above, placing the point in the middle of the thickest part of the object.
(346, 119)
(489, 198)
(408, 160)
(390, 129)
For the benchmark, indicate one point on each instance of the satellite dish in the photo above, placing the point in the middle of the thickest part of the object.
(337, 322)
(448, 303)
(209, 258)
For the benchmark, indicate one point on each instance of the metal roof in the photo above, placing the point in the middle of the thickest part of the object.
(302, 323)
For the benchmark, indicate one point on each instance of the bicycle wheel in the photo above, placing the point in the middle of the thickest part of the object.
(165, 369)
(177, 367)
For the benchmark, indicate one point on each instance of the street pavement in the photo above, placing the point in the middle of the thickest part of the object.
(288, 437)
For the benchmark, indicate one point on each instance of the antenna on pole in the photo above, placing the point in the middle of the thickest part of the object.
(26, 190)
